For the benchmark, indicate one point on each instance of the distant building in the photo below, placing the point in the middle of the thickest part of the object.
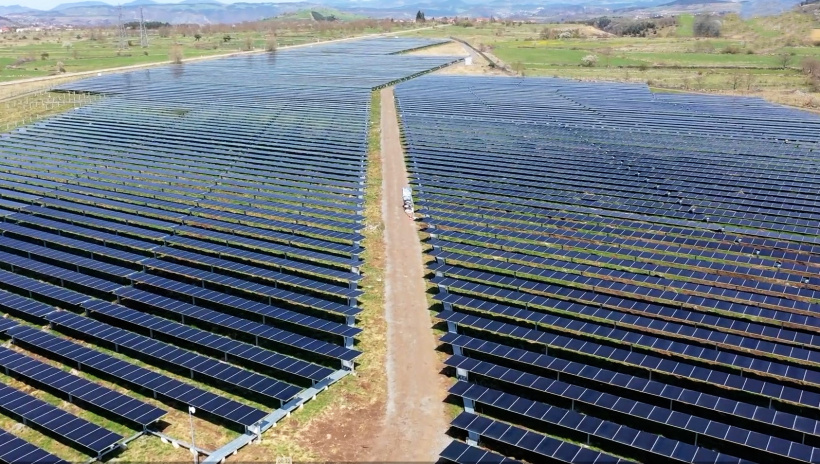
(4, 30)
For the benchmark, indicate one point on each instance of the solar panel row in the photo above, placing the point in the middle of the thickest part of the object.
(635, 273)
(198, 227)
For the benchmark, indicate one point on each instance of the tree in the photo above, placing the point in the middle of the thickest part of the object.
(248, 45)
(736, 79)
(750, 81)
(811, 67)
(271, 44)
(784, 59)
(420, 17)
(197, 36)
(706, 26)
(175, 54)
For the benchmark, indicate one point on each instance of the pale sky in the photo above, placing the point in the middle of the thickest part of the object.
(49, 4)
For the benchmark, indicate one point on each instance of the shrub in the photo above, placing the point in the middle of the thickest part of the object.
(589, 61)
(731, 50)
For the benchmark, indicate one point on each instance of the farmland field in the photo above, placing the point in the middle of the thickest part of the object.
(761, 56)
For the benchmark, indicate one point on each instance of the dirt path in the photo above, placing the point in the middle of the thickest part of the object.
(415, 423)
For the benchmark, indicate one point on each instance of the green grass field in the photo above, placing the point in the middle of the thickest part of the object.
(748, 57)
(37, 54)
(686, 26)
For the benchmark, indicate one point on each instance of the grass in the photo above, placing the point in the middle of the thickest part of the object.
(686, 25)
(37, 54)
(745, 60)
(24, 110)
(306, 14)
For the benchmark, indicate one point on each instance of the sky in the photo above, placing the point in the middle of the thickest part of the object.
(49, 4)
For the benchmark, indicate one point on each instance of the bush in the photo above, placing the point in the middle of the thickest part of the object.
(589, 61)
(731, 50)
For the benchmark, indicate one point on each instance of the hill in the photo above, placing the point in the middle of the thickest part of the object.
(212, 11)
(321, 14)
(68, 6)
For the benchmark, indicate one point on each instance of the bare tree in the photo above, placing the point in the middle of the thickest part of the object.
(607, 54)
(784, 59)
(736, 80)
(175, 54)
(750, 81)
(811, 67)
(248, 44)
(271, 44)
(706, 26)
(700, 80)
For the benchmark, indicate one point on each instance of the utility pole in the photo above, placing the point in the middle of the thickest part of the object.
(121, 30)
(143, 31)
(191, 411)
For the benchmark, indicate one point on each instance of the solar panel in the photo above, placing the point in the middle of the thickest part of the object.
(80, 390)
(137, 377)
(162, 354)
(207, 318)
(14, 450)
(236, 351)
(625, 253)
(59, 424)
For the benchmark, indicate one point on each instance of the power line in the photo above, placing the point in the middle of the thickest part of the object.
(121, 30)
(143, 31)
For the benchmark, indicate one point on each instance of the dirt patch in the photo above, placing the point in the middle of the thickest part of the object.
(479, 66)
(447, 49)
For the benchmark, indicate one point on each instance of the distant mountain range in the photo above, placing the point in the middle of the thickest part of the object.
(210, 11)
